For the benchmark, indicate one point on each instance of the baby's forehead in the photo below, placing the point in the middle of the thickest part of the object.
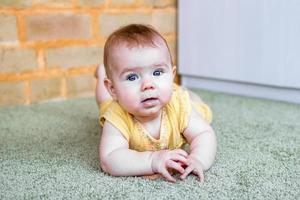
(126, 46)
(118, 52)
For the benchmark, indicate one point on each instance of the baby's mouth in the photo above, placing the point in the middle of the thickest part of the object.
(149, 102)
(149, 99)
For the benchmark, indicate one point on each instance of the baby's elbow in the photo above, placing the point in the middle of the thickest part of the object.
(106, 166)
(207, 166)
(103, 165)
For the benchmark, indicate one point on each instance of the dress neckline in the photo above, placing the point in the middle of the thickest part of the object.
(161, 142)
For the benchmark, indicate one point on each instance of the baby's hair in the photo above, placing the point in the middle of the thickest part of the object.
(133, 35)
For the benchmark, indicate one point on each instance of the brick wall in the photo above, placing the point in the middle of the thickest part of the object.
(49, 49)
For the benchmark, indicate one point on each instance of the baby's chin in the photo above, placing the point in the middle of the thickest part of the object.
(148, 113)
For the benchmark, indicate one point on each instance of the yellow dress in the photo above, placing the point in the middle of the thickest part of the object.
(175, 116)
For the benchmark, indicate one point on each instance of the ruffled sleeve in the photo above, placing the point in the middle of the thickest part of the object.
(184, 109)
(112, 112)
(180, 108)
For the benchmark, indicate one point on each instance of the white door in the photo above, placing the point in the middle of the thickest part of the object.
(248, 42)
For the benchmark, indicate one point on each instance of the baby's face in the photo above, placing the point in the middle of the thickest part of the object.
(142, 79)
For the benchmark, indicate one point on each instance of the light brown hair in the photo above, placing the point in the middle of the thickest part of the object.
(132, 35)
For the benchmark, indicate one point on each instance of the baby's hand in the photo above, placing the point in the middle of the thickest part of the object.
(168, 159)
(193, 166)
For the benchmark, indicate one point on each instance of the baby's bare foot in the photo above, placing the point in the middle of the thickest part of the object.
(100, 71)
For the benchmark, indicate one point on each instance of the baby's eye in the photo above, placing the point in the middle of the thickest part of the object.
(132, 77)
(158, 72)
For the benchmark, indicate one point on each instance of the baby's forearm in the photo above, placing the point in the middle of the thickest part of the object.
(204, 148)
(127, 162)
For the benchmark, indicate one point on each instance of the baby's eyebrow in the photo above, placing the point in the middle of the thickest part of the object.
(139, 69)
(159, 64)
(130, 69)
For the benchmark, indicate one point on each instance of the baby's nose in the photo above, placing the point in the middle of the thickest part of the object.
(147, 84)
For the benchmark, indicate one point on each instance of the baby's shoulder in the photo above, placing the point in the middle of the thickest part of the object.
(180, 102)
(179, 108)
(180, 98)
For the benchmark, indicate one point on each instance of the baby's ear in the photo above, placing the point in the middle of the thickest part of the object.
(110, 88)
(174, 69)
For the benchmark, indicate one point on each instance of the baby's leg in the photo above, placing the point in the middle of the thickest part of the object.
(101, 92)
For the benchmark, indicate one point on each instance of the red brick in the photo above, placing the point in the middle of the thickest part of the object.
(110, 22)
(58, 26)
(11, 93)
(54, 3)
(80, 85)
(8, 30)
(74, 56)
(119, 3)
(164, 3)
(156, 3)
(165, 21)
(91, 2)
(15, 3)
(45, 89)
(17, 60)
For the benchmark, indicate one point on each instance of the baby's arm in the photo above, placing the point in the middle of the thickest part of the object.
(203, 145)
(118, 160)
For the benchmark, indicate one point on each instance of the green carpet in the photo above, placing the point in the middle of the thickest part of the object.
(49, 151)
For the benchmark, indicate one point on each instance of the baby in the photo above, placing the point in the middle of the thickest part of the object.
(146, 118)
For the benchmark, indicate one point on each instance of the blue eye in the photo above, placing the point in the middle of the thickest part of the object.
(157, 72)
(132, 77)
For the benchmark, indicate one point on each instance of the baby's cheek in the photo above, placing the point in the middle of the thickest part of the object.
(130, 97)
(131, 94)
(166, 94)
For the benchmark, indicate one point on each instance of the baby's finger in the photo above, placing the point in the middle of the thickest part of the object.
(187, 171)
(181, 152)
(175, 165)
(168, 176)
(177, 157)
(200, 174)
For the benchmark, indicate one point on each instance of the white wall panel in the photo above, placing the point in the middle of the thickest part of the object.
(248, 41)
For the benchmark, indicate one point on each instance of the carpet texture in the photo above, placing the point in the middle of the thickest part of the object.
(49, 151)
